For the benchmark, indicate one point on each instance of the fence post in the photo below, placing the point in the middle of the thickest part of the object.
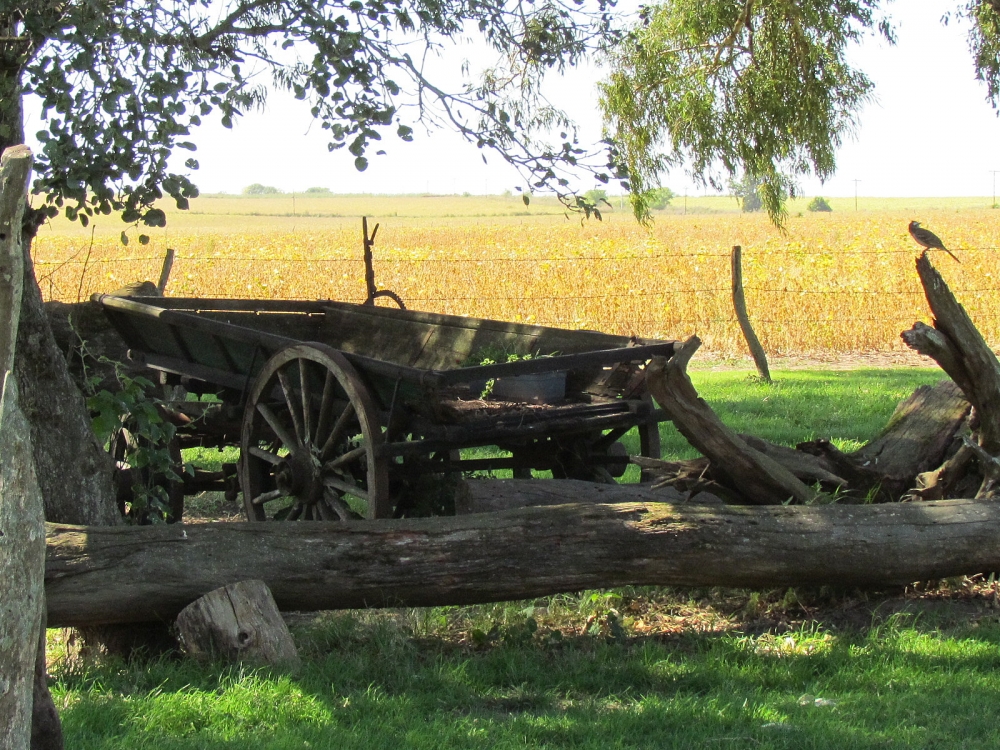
(740, 303)
(168, 263)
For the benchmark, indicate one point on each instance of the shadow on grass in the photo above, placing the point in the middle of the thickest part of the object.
(373, 686)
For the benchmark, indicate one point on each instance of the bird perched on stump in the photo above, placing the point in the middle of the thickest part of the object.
(928, 240)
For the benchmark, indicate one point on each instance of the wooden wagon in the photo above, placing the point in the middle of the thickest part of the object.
(344, 408)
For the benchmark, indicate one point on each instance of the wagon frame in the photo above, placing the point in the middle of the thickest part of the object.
(343, 406)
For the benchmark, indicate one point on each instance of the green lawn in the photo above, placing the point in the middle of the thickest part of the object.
(630, 668)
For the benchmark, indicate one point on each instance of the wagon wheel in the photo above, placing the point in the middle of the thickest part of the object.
(309, 441)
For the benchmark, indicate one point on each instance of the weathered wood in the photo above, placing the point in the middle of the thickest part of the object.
(100, 574)
(168, 264)
(917, 435)
(913, 442)
(958, 346)
(240, 623)
(809, 468)
(944, 480)
(740, 305)
(760, 479)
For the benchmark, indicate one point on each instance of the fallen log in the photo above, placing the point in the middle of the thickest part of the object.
(754, 475)
(916, 439)
(99, 575)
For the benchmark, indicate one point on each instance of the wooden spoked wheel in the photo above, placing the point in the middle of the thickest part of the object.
(309, 441)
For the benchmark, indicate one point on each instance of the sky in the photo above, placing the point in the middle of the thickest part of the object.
(929, 132)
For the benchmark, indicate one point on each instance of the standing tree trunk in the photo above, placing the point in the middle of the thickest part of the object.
(74, 471)
(22, 524)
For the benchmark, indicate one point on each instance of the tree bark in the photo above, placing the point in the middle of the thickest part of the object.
(103, 575)
(958, 346)
(239, 622)
(74, 471)
(757, 477)
(22, 532)
(22, 562)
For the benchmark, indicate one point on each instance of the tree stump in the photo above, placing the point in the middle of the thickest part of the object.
(239, 622)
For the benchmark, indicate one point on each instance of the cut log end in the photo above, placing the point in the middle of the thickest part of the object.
(238, 623)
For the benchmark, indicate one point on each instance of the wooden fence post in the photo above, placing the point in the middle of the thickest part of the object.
(168, 263)
(740, 303)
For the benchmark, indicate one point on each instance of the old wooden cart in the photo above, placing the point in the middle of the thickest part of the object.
(344, 407)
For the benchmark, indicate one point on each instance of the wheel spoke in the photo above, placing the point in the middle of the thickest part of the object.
(350, 489)
(326, 513)
(342, 509)
(295, 512)
(293, 407)
(326, 405)
(265, 455)
(267, 497)
(339, 427)
(306, 401)
(276, 427)
(345, 458)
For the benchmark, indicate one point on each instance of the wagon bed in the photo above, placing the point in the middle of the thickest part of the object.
(402, 380)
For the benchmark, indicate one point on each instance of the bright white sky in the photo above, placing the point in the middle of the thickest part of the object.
(930, 132)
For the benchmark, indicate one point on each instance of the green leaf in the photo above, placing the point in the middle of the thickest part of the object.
(124, 238)
(361, 164)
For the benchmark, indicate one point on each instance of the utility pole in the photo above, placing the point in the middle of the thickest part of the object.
(856, 194)
(994, 171)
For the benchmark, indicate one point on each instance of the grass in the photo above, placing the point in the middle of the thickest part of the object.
(626, 668)
(385, 680)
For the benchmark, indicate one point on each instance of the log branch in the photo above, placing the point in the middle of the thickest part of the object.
(755, 476)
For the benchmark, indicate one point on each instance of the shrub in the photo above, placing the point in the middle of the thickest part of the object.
(313, 189)
(660, 198)
(597, 196)
(818, 204)
(258, 189)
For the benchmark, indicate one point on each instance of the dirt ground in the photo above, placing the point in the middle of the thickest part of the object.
(705, 360)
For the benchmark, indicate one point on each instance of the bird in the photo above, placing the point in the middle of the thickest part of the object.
(928, 240)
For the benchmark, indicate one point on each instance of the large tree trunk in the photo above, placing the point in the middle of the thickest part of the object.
(103, 575)
(73, 469)
(22, 562)
(22, 545)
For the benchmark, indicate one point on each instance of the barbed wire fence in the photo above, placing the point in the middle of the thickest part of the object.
(790, 316)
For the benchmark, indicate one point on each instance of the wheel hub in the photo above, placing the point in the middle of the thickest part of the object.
(299, 475)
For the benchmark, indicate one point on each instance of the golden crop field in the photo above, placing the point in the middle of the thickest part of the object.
(836, 282)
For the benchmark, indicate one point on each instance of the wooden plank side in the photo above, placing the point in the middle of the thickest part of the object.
(431, 341)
